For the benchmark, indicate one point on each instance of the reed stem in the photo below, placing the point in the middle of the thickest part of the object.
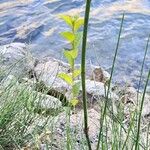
(109, 84)
(83, 58)
(140, 112)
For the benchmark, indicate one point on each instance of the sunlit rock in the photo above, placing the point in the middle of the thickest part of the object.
(48, 71)
(46, 104)
(99, 74)
(16, 59)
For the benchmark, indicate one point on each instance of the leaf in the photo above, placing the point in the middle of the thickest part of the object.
(78, 23)
(76, 73)
(74, 102)
(67, 19)
(73, 53)
(69, 58)
(68, 36)
(76, 88)
(77, 40)
(66, 78)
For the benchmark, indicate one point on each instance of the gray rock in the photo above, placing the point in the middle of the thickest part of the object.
(58, 133)
(128, 96)
(95, 95)
(16, 59)
(98, 90)
(48, 71)
(46, 101)
(95, 88)
(98, 74)
(40, 101)
(12, 52)
(146, 107)
(77, 128)
(9, 81)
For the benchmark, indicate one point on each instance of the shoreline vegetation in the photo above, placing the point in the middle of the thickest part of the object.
(34, 101)
(49, 104)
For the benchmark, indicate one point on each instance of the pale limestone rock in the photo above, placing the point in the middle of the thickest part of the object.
(48, 71)
(16, 59)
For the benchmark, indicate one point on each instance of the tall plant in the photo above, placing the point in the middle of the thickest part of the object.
(73, 37)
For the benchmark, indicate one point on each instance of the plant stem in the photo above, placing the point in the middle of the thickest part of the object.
(142, 68)
(109, 84)
(140, 113)
(83, 57)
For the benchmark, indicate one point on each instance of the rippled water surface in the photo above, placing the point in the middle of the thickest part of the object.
(36, 22)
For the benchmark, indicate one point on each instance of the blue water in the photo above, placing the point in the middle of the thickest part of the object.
(36, 22)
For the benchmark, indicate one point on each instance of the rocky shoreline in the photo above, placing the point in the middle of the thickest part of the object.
(42, 74)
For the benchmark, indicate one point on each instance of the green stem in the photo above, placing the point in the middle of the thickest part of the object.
(83, 57)
(109, 84)
(142, 68)
(140, 113)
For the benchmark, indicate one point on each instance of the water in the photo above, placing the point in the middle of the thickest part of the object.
(36, 22)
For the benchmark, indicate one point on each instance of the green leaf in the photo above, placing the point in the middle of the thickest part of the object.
(69, 58)
(77, 40)
(74, 102)
(68, 36)
(76, 73)
(67, 19)
(78, 24)
(66, 78)
(76, 88)
(73, 53)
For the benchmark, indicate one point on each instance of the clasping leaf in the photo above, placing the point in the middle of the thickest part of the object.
(66, 78)
(76, 88)
(68, 36)
(76, 73)
(67, 19)
(78, 23)
(74, 102)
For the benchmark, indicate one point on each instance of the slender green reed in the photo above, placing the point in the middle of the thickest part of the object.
(83, 58)
(140, 112)
(109, 84)
(142, 67)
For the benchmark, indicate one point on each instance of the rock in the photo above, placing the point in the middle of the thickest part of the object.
(95, 73)
(46, 101)
(146, 107)
(97, 90)
(47, 73)
(128, 96)
(76, 128)
(12, 52)
(48, 70)
(95, 95)
(15, 58)
(99, 74)
(40, 101)
(9, 81)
